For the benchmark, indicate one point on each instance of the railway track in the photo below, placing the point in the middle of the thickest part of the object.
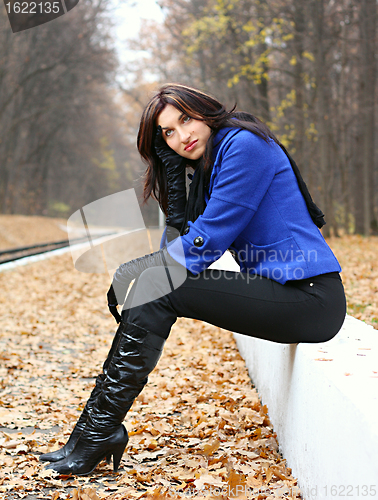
(13, 254)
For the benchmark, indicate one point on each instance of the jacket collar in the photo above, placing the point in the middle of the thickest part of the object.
(220, 136)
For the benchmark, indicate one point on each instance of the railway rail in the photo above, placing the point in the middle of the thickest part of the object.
(13, 254)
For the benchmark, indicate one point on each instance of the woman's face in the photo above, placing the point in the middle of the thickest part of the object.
(185, 135)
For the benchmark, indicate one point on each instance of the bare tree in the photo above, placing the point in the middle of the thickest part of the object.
(364, 167)
(58, 118)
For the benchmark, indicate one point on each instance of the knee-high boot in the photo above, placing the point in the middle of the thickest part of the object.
(55, 456)
(104, 435)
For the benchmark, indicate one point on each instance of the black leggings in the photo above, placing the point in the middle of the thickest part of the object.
(309, 310)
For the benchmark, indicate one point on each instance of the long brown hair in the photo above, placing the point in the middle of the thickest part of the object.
(195, 104)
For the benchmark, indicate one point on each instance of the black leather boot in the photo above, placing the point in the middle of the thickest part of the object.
(104, 435)
(55, 456)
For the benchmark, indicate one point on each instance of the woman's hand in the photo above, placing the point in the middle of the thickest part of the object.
(176, 179)
(131, 270)
(171, 160)
(113, 303)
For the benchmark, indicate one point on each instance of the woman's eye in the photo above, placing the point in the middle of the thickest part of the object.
(186, 119)
(168, 132)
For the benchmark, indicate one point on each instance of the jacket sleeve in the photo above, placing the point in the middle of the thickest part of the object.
(243, 171)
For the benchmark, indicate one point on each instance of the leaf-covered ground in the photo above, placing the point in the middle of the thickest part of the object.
(23, 230)
(198, 429)
(358, 257)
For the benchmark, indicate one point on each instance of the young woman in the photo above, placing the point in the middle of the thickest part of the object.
(246, 196)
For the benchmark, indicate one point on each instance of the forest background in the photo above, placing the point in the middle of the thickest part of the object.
(70, 110)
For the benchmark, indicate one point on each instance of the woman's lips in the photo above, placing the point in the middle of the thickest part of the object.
(191, 145)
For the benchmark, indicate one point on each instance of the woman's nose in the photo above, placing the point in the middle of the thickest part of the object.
(184, 136)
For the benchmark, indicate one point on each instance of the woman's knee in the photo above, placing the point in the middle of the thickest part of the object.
(155, 283)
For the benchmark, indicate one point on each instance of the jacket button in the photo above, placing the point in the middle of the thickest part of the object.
(187, 229)
(198, 242)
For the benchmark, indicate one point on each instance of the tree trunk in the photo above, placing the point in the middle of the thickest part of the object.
(299, 119)
(366, 138)
(322, 114)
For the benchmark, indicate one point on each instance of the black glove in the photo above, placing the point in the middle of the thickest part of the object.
(176, 179)
(113, 303)
(131, 270)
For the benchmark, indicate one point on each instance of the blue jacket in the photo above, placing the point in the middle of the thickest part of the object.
(256, 210)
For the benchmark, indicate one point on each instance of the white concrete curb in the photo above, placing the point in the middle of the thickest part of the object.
(323, 404)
